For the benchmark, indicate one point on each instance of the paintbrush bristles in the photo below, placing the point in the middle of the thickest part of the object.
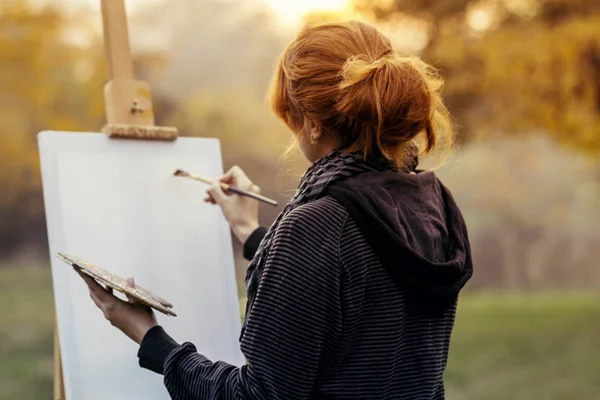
(180, 172)
(186, 174)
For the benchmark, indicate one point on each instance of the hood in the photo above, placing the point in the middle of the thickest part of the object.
(415, 227)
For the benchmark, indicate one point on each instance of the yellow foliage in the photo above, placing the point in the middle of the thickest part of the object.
(39, 91)
(525, 70)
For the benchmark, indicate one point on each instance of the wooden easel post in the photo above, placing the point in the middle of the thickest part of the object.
(129, 113)
(128, 102)
(59, 385)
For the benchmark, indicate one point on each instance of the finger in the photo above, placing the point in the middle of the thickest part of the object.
(217, 193)
(131, 284)
(255, 189)
(91, 282)
(237, 176)
(229, 179)
(104, 295)
(99, 303)
(209, 199)
(107, 304)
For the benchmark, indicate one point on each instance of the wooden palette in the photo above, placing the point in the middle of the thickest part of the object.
(116, 282)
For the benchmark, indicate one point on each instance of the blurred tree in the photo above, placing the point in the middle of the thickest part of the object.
(47, 83)
(532, 208)
(511, 66)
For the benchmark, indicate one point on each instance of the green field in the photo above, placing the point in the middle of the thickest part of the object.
(505, 346)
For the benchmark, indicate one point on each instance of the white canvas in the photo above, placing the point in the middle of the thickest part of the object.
(115, 203)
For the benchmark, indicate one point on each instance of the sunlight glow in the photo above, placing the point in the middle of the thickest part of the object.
(479, 20)
(292, 11)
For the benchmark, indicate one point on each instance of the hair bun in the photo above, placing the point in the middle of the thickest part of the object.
(356, 98)
(390, 94)
(358, 69)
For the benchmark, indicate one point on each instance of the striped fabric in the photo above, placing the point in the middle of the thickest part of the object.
(327, 323)
(329, 169)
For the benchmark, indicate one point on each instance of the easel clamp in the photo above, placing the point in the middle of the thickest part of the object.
(129, 112)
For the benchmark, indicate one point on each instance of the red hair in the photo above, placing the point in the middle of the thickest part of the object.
(347, 78)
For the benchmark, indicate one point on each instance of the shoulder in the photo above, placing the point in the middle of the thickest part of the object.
(325, 213)
(314, 228)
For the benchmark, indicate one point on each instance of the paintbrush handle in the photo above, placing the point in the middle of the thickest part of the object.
(247, 193)
(234, 189)
(200, 178)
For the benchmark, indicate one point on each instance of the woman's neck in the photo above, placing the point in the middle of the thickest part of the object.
(325, 147)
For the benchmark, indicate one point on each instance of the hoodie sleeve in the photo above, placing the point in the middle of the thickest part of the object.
(295, 320)
(253, 242)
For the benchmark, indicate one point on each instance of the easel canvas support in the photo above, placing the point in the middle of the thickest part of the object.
(129, 112)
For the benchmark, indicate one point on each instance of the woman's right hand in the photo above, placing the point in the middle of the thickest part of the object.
(240, 211)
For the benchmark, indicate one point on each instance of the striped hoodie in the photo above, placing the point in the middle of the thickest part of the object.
(357, 300)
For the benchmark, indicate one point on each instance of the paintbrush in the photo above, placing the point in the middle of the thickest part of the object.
(226, 187)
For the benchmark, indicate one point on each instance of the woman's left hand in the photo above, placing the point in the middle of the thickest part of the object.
(132, 318)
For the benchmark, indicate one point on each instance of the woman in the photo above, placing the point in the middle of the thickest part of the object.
(352, 292)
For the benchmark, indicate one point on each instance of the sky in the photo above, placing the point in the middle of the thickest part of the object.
(288, 12)
(292, 11)
(288, 16)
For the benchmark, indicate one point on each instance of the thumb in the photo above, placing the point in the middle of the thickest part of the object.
(131, 284)
(216, 191)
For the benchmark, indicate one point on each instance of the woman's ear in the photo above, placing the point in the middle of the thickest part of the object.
(315, 132)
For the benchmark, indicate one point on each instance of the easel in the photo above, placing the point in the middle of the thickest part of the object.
(129, 112)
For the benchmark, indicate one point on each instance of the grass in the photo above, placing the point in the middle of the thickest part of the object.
(543, 346)
(26, 333)
(505, 346)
